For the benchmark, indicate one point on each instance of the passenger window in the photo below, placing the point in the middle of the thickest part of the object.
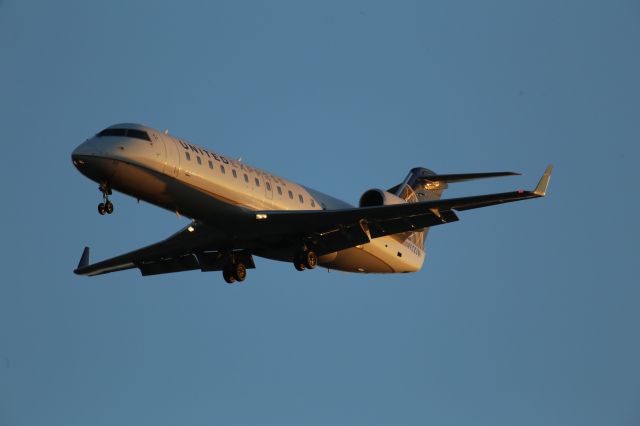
(300, 198)
(290, 194)
(222, 169)
(268, 186)
(235, 175)
(257, 182)
(199, 159)
(246, 178)
(313, 203)
(186, 154)
(210, 164)
(279, 191)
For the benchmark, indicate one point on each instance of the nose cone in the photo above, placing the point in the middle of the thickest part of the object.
(85, 149)
(81, 157)
(91, 161)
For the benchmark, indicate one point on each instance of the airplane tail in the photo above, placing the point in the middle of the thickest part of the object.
(422, 184)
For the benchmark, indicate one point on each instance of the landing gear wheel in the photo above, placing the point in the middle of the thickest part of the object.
(298, 263)
(310, 259)
(240, 271)
(105, 206)
(307, 259)
(235, 272)
(228, 276)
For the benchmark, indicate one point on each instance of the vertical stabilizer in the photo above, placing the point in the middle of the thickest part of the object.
(419, 185)
(425, 185)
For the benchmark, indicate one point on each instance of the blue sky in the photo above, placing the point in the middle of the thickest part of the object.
(523, 314)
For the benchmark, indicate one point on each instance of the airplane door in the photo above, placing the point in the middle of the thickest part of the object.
(158, 150)
(172, 162)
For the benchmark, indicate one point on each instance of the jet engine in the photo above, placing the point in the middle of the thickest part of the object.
(378, 197)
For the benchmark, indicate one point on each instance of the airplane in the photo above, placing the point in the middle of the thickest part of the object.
(238, 211)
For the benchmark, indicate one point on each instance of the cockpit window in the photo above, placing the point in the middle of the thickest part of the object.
(113, 132)
(132, 133)
(138, 134)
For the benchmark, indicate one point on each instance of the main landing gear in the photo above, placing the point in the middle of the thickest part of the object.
(308, 259)
(233, 272)
(106, 206)
(235, 269)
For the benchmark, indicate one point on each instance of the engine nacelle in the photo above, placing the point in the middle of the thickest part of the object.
(378, 197)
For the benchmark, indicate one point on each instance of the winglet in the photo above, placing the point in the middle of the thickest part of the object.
(541, 189)
(84, 260)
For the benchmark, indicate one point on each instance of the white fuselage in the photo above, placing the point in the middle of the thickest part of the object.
(199, 183)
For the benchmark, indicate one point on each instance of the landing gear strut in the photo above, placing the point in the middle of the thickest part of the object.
(233, 272)
(106, 206)
(308, 259)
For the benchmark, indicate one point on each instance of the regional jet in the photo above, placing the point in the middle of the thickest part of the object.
(238, 211)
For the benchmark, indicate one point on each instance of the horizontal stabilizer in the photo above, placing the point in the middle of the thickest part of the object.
(418, 176)
(462, 177)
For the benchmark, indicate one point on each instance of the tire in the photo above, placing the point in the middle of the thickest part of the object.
(102, 209)
(228, 277)
(108, 207)
(298, 263)
(240, 271)
(310, 259)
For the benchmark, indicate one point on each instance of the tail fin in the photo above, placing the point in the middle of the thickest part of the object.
(425, 185)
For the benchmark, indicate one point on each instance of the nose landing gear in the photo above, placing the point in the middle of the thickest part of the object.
(106, 206)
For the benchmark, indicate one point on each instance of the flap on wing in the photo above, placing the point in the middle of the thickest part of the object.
(165, 266)
(340, 238)
(206, 261)
(380, 228)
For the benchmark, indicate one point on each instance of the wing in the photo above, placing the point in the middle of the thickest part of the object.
(208, 248)
(335, 230)
(185, 250)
